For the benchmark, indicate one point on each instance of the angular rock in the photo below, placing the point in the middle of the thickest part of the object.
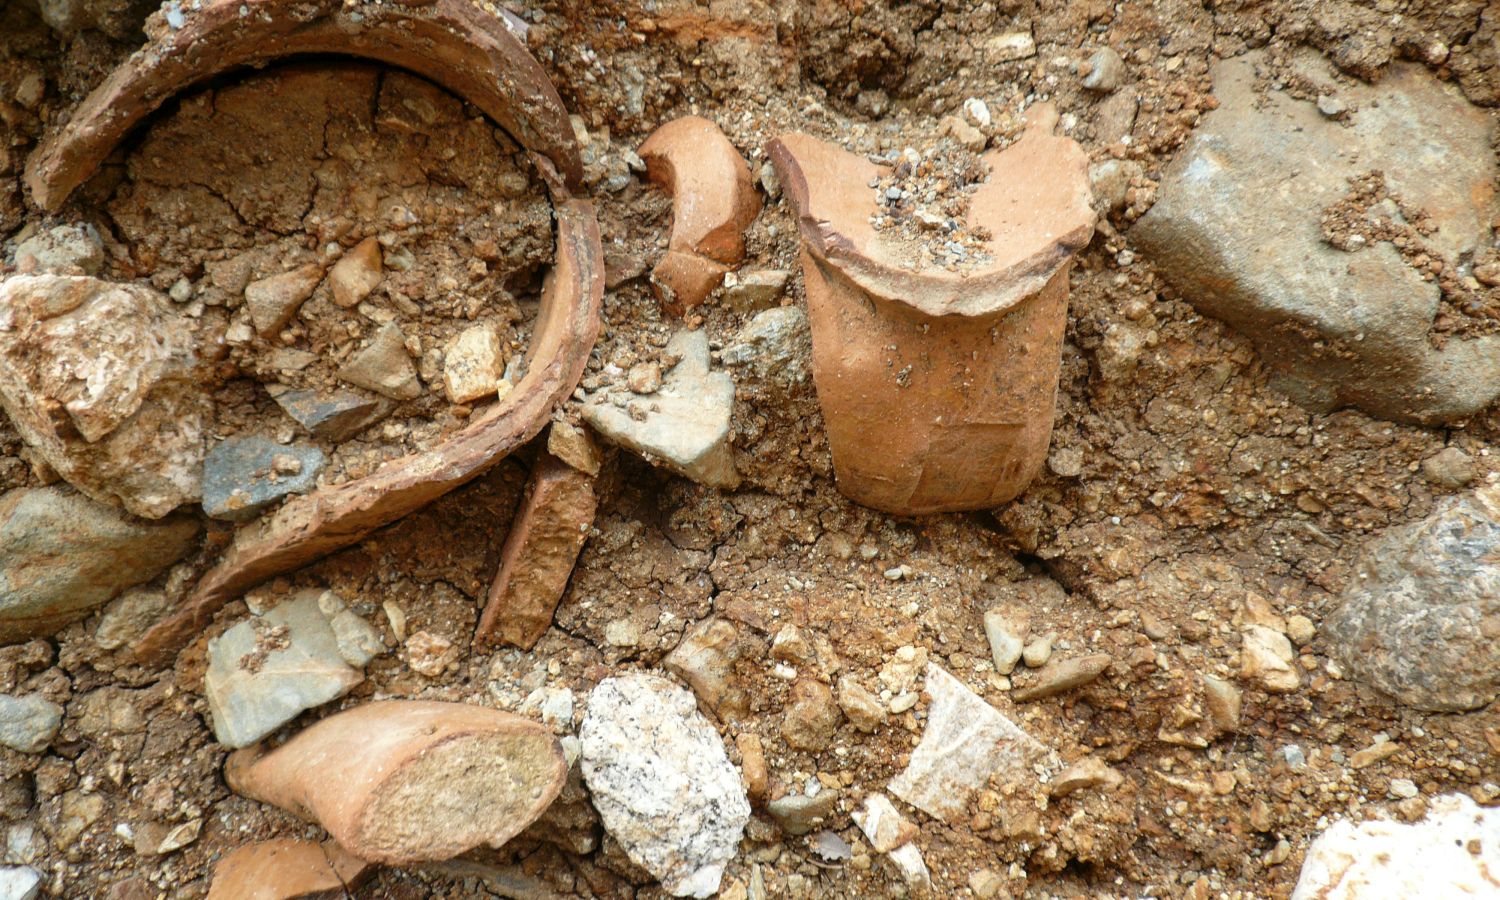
(1222, 700)
(1088, 773)
(1453, 852)
(473, 365)
(908, 861)
(705, 661)
(883, 825)
(28, 724)
(406, 781)
(662, 782)
(573, 446)
(244, 475)
(62, 555)
(938, 386)
(103, 381)
(965, 744)
(357, 273)
(1247, 193)
(273, 301)
(384, 366)
(798, 814)
(774, 344)
(1064, 676)
(335, 416)
(263, 672)
(684, 425)
(286, 869)
(1267, 659)
(861, 705)
(1421, 621)
(63, 250)
(1007, 640)
(713, 202)
(811, 717)
(539, 554)
(753, 291)
(128, 617)
(20, 883)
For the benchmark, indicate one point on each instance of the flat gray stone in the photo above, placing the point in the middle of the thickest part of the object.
(62, 555)
(684, 425)
(1419, 619)
(264, 671)
(1237, 229)
(28, 724)
(244, 475)
(384, 366)
(334, 416)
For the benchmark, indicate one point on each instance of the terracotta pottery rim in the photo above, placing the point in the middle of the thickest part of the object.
(472, 54)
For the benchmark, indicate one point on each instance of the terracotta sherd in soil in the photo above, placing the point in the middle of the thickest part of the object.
(405, 781)
(714, 201)
(938, 386)
(539, 554)
(284, 869)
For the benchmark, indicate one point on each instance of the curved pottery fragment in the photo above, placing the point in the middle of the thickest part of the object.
(713, 202)
(470, 52)
(404, 781)
(454, 43)
(938, 387)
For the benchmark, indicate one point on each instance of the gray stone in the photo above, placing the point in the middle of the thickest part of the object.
(103, 381)
(966, 743)
(798, 814)
(62, 555)
(775, 344)
(244, 475)
(20, 883)
(662, 782)
(1421, 621)
(63, 250)
(128, 617)
(308, 650)
(384, 366)
(335, 416)
(1106, 71)
(28, 724)
(1111, 179)
(1237, 229)
(1453, 852)
(684, 426)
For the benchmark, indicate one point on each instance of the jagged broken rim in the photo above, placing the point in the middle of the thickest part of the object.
(1035, 205)
(471, 53)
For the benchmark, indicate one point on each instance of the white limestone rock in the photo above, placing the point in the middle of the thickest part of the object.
(1453, 852)
(662, 782)
(966, 743)
(103, 381)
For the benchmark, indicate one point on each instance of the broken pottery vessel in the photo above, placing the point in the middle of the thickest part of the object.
(405, 781)
(472, 53)
(713, 202)
(938, 387)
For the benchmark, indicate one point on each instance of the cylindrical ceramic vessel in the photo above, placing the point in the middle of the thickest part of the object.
(937, 387)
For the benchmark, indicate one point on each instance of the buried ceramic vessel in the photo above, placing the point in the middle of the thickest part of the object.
(938, 387)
